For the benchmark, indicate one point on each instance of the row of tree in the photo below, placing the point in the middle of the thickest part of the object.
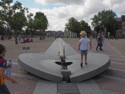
(14, 18)
(104, 21)
(77, 26)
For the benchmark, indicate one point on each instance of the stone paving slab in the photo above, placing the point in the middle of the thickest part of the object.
(118, 65)
(115, 73)
(119, 44)
(68, 88)
(117, 56)
(24, 85)
(114, 85)
(108, 92)
(118, 61)
(89, 87)
(45, 87)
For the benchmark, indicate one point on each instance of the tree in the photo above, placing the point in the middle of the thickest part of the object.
(30, 23)
(13, 16)
(84, 26)
(96, 23)
(2, 28)
(19, 21)
(105, 19)
(73, 26)
(40, 23)
(6, 13)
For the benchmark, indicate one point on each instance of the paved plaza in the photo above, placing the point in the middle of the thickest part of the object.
(112, 81)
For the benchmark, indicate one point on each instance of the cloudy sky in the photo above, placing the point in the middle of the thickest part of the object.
(59, 11)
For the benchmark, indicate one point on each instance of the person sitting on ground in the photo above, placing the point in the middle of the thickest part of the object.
(84, 44)
(3, 76)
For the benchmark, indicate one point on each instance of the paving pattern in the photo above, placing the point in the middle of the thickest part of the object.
(111, 81)
(114, 78)
(68, 88)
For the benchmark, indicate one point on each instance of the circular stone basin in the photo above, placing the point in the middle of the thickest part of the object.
(47, 67)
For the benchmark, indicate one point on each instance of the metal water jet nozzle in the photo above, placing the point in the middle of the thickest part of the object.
(65, 72)
(62, 56)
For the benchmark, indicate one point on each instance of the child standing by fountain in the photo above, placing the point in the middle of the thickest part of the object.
(84, 44)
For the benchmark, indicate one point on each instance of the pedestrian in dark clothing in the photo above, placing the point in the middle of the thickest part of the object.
(100, 40)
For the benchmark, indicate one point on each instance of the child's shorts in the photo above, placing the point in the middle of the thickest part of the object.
(84, 52)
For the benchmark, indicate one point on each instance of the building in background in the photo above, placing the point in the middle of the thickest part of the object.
(69, 34)
(123, 25)
(120, 27)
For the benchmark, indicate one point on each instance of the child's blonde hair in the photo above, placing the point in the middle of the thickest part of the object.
(83, 33)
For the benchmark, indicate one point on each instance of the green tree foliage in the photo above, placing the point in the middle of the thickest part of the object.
(105, 19)
(2, 29)
(19, 21)
(74, 26)
(84, 26)
(40, 23)
(30, 24)
(13, 16)
(6, 13)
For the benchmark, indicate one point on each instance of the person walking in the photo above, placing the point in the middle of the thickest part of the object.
(3, 76)
(100, 41)
(84, 44)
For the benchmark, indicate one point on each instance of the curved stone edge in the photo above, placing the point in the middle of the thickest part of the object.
(54, 78)
(91, 74)
(39, 73)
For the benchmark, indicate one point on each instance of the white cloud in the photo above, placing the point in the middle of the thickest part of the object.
(80, 9)
(60, 1)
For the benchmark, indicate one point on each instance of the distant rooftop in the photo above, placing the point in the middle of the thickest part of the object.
(123, 18)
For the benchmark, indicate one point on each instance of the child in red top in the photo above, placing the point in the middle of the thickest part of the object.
(3, 66)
